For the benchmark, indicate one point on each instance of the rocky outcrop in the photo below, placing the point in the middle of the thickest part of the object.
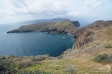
(83, 39)
(18, 30)
(76, 23)
(61, 27)
(84, 35)
(54, 31)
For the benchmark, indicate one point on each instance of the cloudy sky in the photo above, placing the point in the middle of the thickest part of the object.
(85, 10)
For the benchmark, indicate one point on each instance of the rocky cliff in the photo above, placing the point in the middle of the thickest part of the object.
(91, 40)
(65, 26)
(76, 23)
(87, 34)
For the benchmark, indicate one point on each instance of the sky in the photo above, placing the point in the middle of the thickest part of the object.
(81, 10)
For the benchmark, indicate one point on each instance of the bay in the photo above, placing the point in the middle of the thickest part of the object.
(33, 43)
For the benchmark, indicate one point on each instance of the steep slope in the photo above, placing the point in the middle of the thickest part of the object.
(92, 40)
(64, 26)
(88, 33)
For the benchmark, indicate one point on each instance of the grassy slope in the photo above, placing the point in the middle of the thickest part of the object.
(105, 35)
(82, 65)
(62, 25)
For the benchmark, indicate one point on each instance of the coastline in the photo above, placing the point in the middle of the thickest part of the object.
(92, 42)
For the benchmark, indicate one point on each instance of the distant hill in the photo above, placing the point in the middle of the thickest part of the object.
(64, 26)
(36, 21)
(76, 23)
(41, 21)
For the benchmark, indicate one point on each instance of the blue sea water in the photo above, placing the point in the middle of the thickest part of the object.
(33, 43)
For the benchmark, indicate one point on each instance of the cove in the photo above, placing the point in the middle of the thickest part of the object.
(34, 43)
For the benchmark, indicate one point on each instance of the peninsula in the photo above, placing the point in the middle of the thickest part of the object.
(62, 27)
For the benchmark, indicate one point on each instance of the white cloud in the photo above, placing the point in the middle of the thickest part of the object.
(17, 10)
(94, 3)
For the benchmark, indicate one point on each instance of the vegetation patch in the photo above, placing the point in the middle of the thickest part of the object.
(103, 58)
(32, 72)
(108, 46)
(70, 68)
(55, 66)
(8, 67)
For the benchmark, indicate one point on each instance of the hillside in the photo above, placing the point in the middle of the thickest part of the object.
(64, 26)
(93, 39)
(91, 54)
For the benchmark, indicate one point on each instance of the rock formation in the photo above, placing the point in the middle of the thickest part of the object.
(84, 35)
(76, 23)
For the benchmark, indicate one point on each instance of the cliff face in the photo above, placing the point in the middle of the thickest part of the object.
(64, 26)
(91, 40)
(87, 34)
(76, 23)
(83, 39)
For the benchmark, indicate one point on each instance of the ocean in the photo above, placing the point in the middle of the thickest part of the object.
(33, 43)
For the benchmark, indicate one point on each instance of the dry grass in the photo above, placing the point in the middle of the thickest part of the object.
(105, 35)
(82, 65)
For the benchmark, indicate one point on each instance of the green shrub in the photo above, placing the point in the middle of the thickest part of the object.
(32, 72)
(100, 58)
(108, 46)
(8, 66)
(103, 57)
(24, 64)
(40, 57)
